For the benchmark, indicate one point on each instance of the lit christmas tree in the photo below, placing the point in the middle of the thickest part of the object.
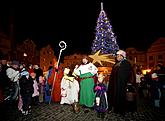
(105, 39)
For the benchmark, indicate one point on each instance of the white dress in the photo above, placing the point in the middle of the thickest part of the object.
(69, 91)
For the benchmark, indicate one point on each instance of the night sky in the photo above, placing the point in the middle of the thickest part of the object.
(136, 24)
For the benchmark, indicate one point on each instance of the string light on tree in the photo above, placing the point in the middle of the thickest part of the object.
(105, 39)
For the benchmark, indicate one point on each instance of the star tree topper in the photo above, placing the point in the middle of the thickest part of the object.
(99, 58)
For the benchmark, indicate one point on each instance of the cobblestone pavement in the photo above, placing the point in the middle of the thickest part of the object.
(57, 112)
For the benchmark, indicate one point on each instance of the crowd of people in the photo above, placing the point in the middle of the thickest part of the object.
(20, 85)
(26, 85)
(151, 86)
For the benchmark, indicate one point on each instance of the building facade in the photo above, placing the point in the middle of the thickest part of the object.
(26, 52)
(46, 57)
(5, 45)
(72, 60)
(156, 53)
(150, 58)
(137, 57)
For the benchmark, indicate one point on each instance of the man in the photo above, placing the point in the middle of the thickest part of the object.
(13, 74)
(4, 80)
(160, 72)
(54, 79)
(86, 72)
(122, 73)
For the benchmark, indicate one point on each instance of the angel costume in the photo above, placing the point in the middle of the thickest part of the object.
(69, 89)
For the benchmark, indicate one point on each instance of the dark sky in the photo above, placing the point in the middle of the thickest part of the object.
(136, 24)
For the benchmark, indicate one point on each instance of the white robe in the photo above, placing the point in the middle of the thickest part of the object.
(71, 89)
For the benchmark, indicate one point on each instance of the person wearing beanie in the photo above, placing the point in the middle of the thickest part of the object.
(121, 74)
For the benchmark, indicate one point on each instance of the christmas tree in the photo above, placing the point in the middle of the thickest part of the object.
(105, 39)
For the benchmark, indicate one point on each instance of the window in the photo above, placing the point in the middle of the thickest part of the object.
(160, 57)
(151, 58)
(130, 57)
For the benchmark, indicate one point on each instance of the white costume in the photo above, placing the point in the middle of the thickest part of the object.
(90, 67)
(69, 89)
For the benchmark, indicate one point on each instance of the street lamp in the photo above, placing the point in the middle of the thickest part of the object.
(24, 54)
(24, 57)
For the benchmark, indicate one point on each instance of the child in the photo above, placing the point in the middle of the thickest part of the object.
(101, 103)
(69, 88)
(41, 89)
(35, 96)
(26, 90)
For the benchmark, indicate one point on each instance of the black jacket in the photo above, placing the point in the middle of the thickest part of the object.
(26, 85)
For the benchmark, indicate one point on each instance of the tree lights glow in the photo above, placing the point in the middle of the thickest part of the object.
(105, 39)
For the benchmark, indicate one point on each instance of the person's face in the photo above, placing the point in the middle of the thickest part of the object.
(4, 62)
(21, 67)
(30, 67)
(157, 68)
(33, 75)
(55, 65)
(100, 79)
(119, 57)
(84, 60)
(36, 66)
(15, 66)
(66, 71)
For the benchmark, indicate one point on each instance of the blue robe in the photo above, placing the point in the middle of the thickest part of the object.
(48, 87)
